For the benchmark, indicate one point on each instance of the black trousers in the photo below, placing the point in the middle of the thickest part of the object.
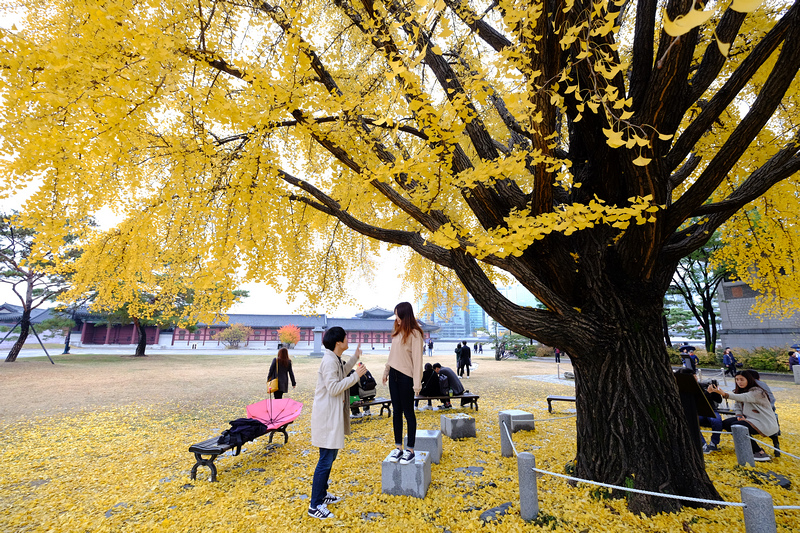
(730, 422)
(401, 392)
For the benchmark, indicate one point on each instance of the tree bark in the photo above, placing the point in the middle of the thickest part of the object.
(66, 340)
(142, 343)
(25, 326)
(631, 428)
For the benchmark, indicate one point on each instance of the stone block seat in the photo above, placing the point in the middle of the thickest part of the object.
(458, 426)
(520, 420)
(412, 479)
(429, 440)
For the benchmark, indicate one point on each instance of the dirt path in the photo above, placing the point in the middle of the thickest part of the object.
(34, 387)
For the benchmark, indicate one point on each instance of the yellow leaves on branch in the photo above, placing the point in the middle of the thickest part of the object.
(522, 229)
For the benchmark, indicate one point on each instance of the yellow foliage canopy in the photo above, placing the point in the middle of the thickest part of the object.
(250, 142)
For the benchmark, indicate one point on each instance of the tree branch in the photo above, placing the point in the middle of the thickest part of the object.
(732, 87)
(761, 111)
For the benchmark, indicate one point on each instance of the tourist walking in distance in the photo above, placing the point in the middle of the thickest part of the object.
(403, 372)
(464, 360)
(281, 368)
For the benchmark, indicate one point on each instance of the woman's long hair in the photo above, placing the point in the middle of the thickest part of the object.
(751, 382)
(283, 357)
(408, 323)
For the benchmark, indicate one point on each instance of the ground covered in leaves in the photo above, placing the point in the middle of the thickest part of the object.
(125, 467)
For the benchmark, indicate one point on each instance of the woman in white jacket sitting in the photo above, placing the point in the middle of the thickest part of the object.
(753, 410)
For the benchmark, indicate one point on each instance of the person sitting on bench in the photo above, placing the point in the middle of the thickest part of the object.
(364, 389)
(430, 386)
(753, 410)
(448, 382)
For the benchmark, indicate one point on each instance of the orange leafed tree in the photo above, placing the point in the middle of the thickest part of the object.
(289, 334)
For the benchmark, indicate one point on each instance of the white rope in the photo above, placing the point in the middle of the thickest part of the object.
(773, 447)
(557, 418)
(510, 439)
(671, 496)
(785, 507)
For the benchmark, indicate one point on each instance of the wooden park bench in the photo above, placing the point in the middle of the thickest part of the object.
(210, 448)
(467, 398)
(385, 403)
(552, 398)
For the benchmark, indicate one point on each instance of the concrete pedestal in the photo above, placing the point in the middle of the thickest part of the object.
(796, 372)
(412, 479)
(520, 420)
(458, 426)
(429, 440)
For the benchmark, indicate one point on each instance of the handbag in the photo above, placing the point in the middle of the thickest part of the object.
(272, 386)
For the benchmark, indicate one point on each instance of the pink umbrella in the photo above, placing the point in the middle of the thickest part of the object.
(275, 413)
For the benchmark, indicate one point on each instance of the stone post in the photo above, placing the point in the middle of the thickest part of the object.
(506, 448)
(528, 492)
(741, 443)
(759, 516)
(796, 370)
(317, 351)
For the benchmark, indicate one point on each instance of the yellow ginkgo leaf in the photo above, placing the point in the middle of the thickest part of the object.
(641, 161)
(724, 48)
(746, 6)
(666, 137)
(685, 23)
(614, 138)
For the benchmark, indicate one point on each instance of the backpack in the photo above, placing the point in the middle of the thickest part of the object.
(444, 384)
(366, 386)
(242, 430)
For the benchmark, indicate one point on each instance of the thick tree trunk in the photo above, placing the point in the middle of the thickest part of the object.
(25, 326)
(631, 427)
(142, 343)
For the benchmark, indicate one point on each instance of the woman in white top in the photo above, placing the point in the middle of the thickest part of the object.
(404, 374)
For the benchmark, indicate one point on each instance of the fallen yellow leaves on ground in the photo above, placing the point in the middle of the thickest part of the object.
(127, 469)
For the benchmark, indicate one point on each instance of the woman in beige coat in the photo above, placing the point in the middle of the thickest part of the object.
(753, 410)
(330, 416)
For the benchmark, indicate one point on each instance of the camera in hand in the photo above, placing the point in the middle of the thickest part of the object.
(714, 382)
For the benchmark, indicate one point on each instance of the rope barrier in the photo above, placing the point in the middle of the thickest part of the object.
(510, 439)
(785, 507)
(773, 447)
(639, 491)
(557, 418)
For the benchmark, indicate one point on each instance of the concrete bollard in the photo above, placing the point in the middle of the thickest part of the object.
(506, 448)
(528, 492)
(759, 516)
(741, 443)
(796, 371)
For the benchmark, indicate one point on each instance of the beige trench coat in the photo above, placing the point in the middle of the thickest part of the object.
(330, 414)
(755, 407)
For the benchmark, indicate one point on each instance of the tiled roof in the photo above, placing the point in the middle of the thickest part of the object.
(273, 321)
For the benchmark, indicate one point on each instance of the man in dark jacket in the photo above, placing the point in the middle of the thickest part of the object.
(448, 380)
(464, 359)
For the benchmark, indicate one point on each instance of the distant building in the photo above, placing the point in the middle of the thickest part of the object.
(451, 319)
(370, 328)
(477, 316)
(741, 329)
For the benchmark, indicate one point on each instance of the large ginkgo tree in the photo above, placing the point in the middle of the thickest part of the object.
(579, 147)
